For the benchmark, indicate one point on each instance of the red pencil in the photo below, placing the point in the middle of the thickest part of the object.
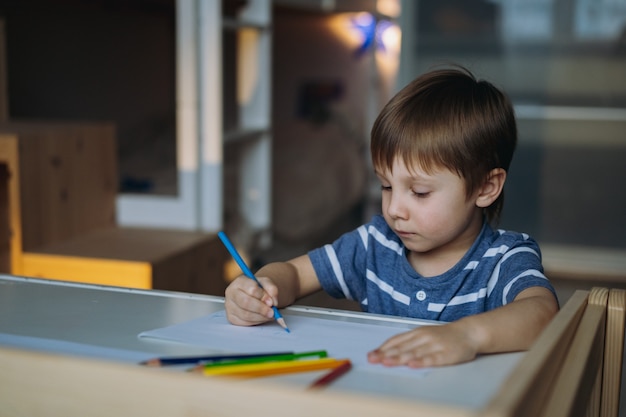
(332, 375)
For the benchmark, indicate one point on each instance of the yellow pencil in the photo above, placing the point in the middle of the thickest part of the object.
(274, 368)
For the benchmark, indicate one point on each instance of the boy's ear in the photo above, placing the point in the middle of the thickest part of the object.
(491, 188)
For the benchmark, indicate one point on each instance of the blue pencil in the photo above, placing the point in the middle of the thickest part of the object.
(247, 272)
(183, 360)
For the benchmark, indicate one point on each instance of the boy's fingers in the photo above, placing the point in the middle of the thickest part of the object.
(248, 315)
(270, 289)
(246, 303)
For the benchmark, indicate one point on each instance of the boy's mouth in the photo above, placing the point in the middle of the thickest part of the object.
(402, 233)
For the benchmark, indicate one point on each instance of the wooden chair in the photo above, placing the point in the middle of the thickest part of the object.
(613, 353)
(577, 390)
(574, 368)
(590, 379)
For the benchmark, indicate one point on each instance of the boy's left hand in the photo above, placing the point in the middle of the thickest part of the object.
(427, 346)
(509, 328)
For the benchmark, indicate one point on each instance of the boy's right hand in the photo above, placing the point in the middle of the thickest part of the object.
(248, 304)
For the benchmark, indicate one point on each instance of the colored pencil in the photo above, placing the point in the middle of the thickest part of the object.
(184, 360)
(247, 272)
(273, 368)
(261, 359)
(332, 375)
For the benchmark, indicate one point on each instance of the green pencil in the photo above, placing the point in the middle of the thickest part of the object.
(263, 359)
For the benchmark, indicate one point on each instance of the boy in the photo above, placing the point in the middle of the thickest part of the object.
(441, 149)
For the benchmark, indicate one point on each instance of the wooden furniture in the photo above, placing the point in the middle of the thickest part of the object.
(578, 387)
(93, 323)
(101, 389)
(58, 188)
(559, 375)
(590, 378)
(574, 368)
(134, 257)
(613, 353)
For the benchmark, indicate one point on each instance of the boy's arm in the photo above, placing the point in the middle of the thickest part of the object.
(283, 283)
(512, 327)
(293, 279)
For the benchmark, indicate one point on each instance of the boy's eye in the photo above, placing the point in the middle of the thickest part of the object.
(421, 194)
(385, 187)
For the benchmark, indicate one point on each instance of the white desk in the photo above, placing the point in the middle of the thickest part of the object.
(104, 322)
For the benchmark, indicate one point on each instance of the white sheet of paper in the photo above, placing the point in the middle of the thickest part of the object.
(341, 339)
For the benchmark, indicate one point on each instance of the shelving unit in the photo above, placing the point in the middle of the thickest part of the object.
(209, 79)
(247, 134)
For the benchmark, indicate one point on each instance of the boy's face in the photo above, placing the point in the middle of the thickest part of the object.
(429, 212)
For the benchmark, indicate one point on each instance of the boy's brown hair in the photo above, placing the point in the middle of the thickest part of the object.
(447, 118)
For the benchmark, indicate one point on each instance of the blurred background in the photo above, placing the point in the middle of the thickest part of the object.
(254, 116)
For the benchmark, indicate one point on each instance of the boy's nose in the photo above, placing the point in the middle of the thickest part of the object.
(396, 207)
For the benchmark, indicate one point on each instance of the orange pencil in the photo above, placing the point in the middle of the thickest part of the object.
(332, 375)
(273, 368)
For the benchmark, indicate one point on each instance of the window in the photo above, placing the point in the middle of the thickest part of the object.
(563, 65)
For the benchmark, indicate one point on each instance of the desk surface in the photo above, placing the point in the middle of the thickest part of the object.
(104, 322)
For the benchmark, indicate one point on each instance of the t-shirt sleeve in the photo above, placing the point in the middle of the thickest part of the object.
(519, 269)
(340, 266)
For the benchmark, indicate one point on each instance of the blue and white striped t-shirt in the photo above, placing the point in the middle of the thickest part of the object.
(369, 265)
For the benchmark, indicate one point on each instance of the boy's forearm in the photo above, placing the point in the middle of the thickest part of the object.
(513, 327)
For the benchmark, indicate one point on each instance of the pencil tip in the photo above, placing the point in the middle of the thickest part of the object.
(282, 323)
